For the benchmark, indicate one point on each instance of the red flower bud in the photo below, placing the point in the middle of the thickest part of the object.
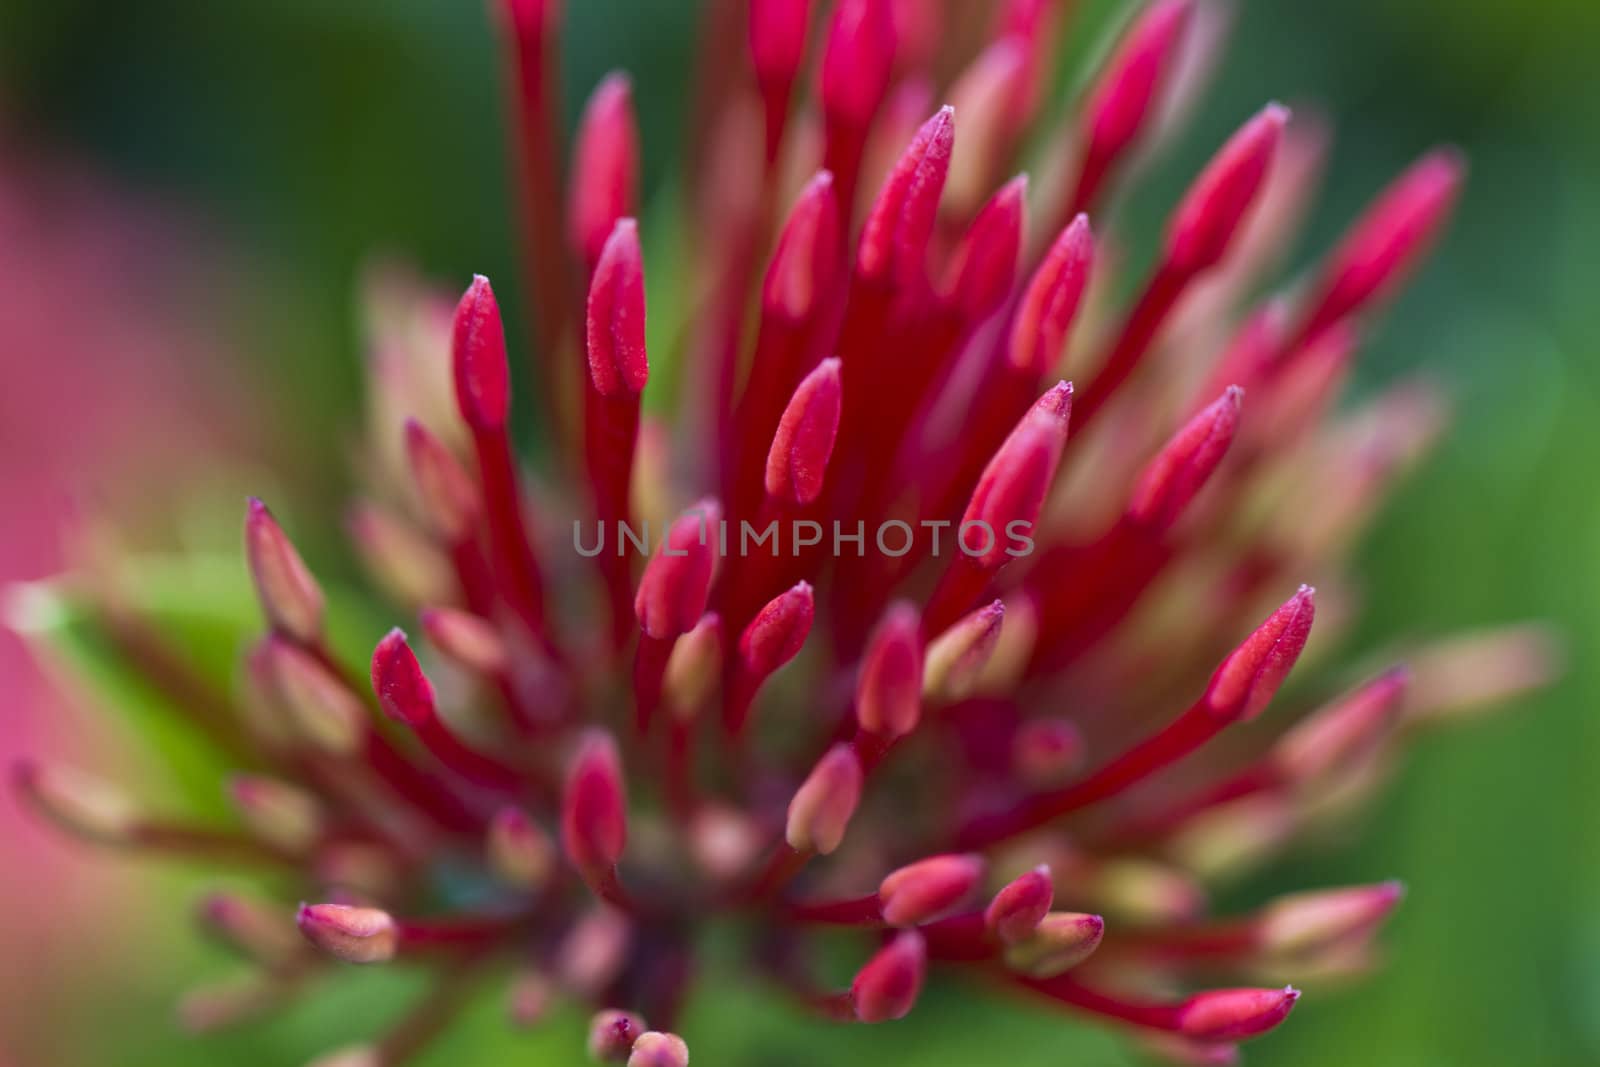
(822, 807)
(445, 490)
(354, 935)
(1307, 922)
(1049, 304)
(807, 256)
(983, 269)
(1061, 941)
(1013, 486)
(798, 459)
(889, 687)
(777, 633)
(605, 168)
(888, 986)
(289, 595)
(1183, 466)
(1249, 678)
(478, 353)
(594, 806)
(672, 593)
(894, 239)
(618, 363)
(404, 692)
(1235, 1014)
(1020, 906)
(778, 31)
(1213, 210)
(928, 888)
(1122, 100)
(857, 60)
(612, 1034)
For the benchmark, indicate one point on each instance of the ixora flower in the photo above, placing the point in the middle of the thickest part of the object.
(1022, 768)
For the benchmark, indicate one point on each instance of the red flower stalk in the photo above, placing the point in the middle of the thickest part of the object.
(870, 456)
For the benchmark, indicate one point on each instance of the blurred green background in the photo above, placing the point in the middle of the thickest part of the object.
(310, 133)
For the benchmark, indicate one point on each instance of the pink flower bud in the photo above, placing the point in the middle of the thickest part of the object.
(672, 593)
(1013, 486)
(889, 687)
(1213, 210)
(983, 268)
(594, 806)
(798, 459)
(857, 60)
(956, 658)
(694, 667)
(657, 1049)
(354, 935)
(1122, 100)
(807, 257)
(986, 96)
(1061, 941)
(478, 353)
(1046, 751)
(404, 692)
(618, 363)
(823, 805)
(1386, 242)
(894, 239)
(1185, 463)
(605, 168)
(520, 853)
(322, 710)
(283, 815)
(778, 31)
(261, 932)
(928, 888)
(612, 1034)
(1249, 678)
(1307, 922)
(886, 988)
(777, 633)
(1019, 907)
(77, 802)
(1235, 1014)
(1339, 734)
(1050, 302)
(473, 642)
(448, 495)
(289, 595)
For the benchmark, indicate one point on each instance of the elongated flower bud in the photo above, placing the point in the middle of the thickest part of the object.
(1123, 99)
(694, 667)
(594, 806)
(1215, 207)
(605, 167)
(1183, 466)
(928, 888)
(983, 268)
(447, 493)
(1235, 1014)
(672, 593)
(79, 803)
(823, 805)
(1247, 680)
(324, 712)
(258, 931)
(520, 853)
(1050, 302)
(806, 260)
(777, 633)
(612, 1034)
(1019, 907)
(618, 364)
(778, 30)
(283, 815)
(478, 348)
(1339, 733)
(986, 97)
(889, 687)
(857, 59)
(404, 692)
(1061, 941)
(470, 641)
(289, 595)
(657, 1049)
(894, 239)
(1390, 237)
(887, 987)
(1307, 922)
(1012, 489)
(798, 459)
(956, 658)
(354, 935)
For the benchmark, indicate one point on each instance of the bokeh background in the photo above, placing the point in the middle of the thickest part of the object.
(221, 171)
